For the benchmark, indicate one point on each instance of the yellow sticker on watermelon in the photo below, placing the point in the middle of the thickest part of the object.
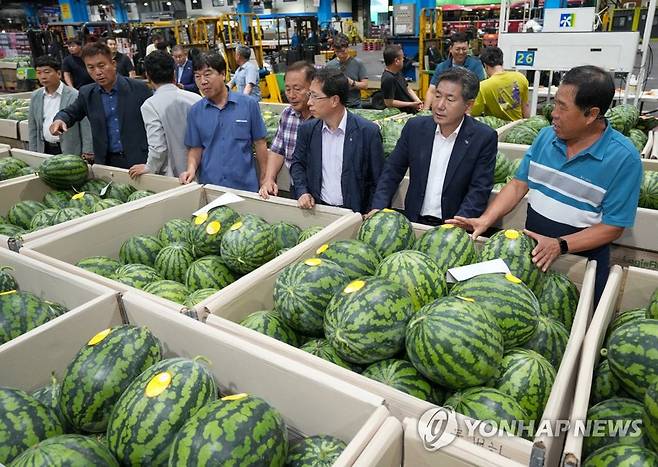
(388, 210)
(237, 225)
(78, 195)
(466, 299)
(158, 384)
(447, 226)
(313, 262)
(322, 249)
(512, 278)
(8, 292)
(201, 218)
(512, 234)
(354, 286)
(235, 397)
(99, 337)
(213, 228)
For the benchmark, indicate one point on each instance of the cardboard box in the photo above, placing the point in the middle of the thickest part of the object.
(310, 402)
(105, 235)
(240, 299)
(8, 128)
(23, 131)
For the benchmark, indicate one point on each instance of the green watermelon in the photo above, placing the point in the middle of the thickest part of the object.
(21, 213)
(49, 396)
(272, 324)
(198, 296)
(502, 170)
(536, 122)
(323, 349)
(623, 117)
(42, 219)
(58, 199)
(285, 234)
(55, 309)
(168, 289)
(106, 204)
(365, 322)
(252, 219)
(491, 121)
(247, 246)
(26, 171)
(84, 201)
(155, 406)
(207, 230)
(547, 111)
(303, 291)
(173, 260)
(10, 167)
(455, 343)
(7, 280)
(649, 191)
(94, 185)
(139, 194)
(120, 191)
(355, 257)
(73, 450)
(401, 375)
(622, 455)
(505, 298)
(627, 316)
(174, 231)
(559, 298)
(64, 171)
(100, 373)
(650, 415)
(550, 340)
(208, 272)
(616, 409)
(387, 231)
(605, 385)
(316, 451)
(521, 134)
(239, 430)
(652, 309)
(639, 138)
(308, 233)
(136, 275)
(24, 421)
(67, 214)
(11, 230)
(448, 245)
(140, 249)
(21, 312)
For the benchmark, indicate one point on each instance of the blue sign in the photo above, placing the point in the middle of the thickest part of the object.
(567, 20)
(525, 58)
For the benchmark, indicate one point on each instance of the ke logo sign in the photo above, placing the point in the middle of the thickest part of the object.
(567, 20)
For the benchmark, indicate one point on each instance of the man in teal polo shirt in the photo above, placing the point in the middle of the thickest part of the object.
(581, 175)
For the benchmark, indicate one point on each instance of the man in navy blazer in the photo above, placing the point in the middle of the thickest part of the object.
(450, 157)
(183, 73)
(338, 156)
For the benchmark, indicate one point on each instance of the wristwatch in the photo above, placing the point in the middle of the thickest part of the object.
(564, 246)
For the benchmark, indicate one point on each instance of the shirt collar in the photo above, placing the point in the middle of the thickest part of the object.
(341, 126)
(454, 133)
(115, 88)
(232, 97)
(597, 150)
(58, 91)
(166, 88)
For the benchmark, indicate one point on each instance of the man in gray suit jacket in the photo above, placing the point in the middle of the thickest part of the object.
(45, 102)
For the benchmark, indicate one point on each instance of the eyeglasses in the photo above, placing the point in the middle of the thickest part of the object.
(314, 97)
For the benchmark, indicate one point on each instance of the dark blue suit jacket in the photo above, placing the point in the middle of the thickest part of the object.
(187, 78)
(363, 159)
(469, 177)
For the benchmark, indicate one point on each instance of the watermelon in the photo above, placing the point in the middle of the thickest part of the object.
(403, 376)
(365, 322)
(57, 199)
(649, 191)
(652, 308)
(174, 231)
(168, 289)
(238, 430)
(84, 201)
(515, 248)
(650, 415)
(387, 231)
(316, 451)
(491, 121)
(67, 214)
(536, 122)
(106, 204)
(94, 185)
(101, 265)
(547, 111)
(24, 421)
(303, 291)
(622, 455)
(207, 230)
(550, 340)
(323, 349)
(448, 245)
(623, 117)
(502, 170)
(616, 409)
(120, 191)
(505, 298)
(208, 272)
(64, 171)
(101, 371)
(639, 138)
(136, 275)
(140, 249)
(559, 298)
(21, 312)
(42, 219)
(271, 324)
(419, 274)
(521, 134)
(21, 213)
(49, 396)
(251, 219)
(155, 406)
(355, 257)
(247, 246)
(7, 280)
(455, 343)
(26, 171)
(173, 260)
(74, 450)
(627, 316)
(285, 234)
(308, 233)
(10, 167)
(198, 296)
(139, 194)
(605, 385)
(11, 230)
(55, 309)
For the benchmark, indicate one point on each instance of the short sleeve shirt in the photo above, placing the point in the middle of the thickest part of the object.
(502, 95)
(471, 63)
(124, 64)
(394, 86)
(353, 69)
(248, 74)
(75, 66)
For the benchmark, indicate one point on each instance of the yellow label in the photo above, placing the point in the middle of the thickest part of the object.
(354, 286)
(235, 397)
(447, 226)
(322, 249)
(213, 228)
(512, 234)
(388, 210)
(466, 299)
(237, 225)
(8, 292)
(78, 195)
(158, 384)
(201, 218)
(313, 262)
(99, 337)
(512, 278)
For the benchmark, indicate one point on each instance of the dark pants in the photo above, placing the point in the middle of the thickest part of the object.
(117, 159)
(430, 220)
(52, 148)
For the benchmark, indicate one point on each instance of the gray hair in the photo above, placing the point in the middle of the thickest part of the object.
(467, 79)
(178, 48)
(243, 51)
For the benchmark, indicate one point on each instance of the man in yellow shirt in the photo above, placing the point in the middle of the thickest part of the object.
(504, 94)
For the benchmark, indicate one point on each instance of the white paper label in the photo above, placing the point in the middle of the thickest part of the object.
(226, 198)
(105, 188)
(463, 273)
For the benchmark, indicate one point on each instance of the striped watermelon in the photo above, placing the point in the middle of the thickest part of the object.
(271, 324)
(140, 249)
(84, 201)
(559, 298)
(136, 275)
(387, 231)
(502, 170)
(323, 349)
(101, 371)
(448, 245)
(21, 213)
(650, 415)
(605, 385)
(238, 430)
(365, 322)
(455, 343)
(624, 317)
(286, 235)
(316, 451)
(208, 272)
(622, 455)
(26, 171)
(613, 409)
(67, 214)
(207, 230)
(308, 233)
(521, 134)
(652, 309)
(252, 219)
(155, 407)
(170, 290)
(515, 248)
(198, 296)
(649, 191)
(623, 117)
(24, 421)
(21, 312)
(69, 450)
(173, 260)
(106, 204)
(42, 219)
(527, 377)
(498, 187)
(505, 298)
(639, 138)
(120, 191)
(11, 230)
(58, 199)
(355, 257)
(247, 246)
(419, 274)
(550, 340)
(403, 376)
(10, 167)
(303, 291)
(49, 396)
(64, 171)
(139, 194)
(174, 231)
(7, 280)
(94, 185)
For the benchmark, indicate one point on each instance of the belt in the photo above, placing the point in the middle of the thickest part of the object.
(430, 220)
(48, 144)
(116, 154)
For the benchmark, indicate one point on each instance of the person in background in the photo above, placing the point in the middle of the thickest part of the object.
(184, 73)
(397, 93)
(45, 102)
(112, 105)
(458, 57)
(73, 67)
(298, 80)
(221, 130)
(164, 114)
(504, 94)
(352, 67)
(124, 65)
(158, 42)
(247, 76)
(338, 156)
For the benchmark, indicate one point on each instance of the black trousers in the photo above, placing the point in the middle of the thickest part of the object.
(117, 159)
(430, 220)
(52, 148)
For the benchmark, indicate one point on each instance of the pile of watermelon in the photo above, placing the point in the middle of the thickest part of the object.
(649, 190)
(491, 121)
(505, 170)
(12, 168)
(14, 108)
(271, 120)
(626, 119)
(20, 310)
(120, 403)
(526, 131)
(188, 260)
(625, 389)
(391, 131)
(374, 115)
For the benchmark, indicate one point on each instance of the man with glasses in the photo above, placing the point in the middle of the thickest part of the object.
(339, 156)
(298, 80)
(397, 93)
(352, 67)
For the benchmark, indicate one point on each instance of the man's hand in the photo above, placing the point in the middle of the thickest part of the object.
(186, 177)
(370, 214)
(476, 225)
(306, 201)
(546, 251)
(268, 188)
(137, 170)
(419, 106)
(180, 86)
(58, 127)
(88, 157)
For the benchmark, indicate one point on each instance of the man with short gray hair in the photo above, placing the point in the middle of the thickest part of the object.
(246, 77)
